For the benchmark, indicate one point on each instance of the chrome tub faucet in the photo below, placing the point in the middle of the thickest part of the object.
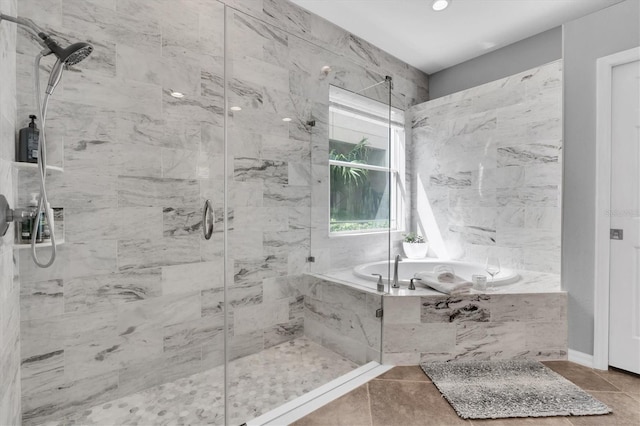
(395, 272)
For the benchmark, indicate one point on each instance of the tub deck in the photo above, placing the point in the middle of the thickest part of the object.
(530, 282)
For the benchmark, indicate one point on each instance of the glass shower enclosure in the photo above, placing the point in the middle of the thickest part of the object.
(159, 309)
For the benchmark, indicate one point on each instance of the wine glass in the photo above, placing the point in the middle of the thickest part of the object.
(492, 267)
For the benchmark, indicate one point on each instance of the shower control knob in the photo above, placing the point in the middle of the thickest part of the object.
(8, 215)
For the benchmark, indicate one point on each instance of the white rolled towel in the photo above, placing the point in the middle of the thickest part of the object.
(446, 283)
(445, 277)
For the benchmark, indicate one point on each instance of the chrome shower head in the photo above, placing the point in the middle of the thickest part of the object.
(77, 52)
(70, 55)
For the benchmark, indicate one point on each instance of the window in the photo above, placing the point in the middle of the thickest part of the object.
(364, 164)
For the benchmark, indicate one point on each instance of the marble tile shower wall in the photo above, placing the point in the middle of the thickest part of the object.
(489, 161)
(135, 297)
(10, 412)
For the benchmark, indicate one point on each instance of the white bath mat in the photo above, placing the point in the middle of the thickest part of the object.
(511, 388)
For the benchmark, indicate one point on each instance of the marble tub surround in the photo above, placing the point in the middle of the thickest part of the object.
(488, 162)
(475, 326)
(423, 325)
(135, 298)
(343, 319)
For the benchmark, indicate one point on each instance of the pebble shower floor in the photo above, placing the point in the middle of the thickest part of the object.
(258, 384)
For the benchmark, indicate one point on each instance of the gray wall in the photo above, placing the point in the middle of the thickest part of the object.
(9, 285)
(517, 57)
(585, 40)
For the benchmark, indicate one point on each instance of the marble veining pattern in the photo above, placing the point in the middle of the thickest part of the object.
(422, 324)
(488, 160)
(343, 319)
(258, 383)
(475, 326)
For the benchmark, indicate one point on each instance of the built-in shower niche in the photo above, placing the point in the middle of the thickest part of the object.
(58, 215)
(28, 184)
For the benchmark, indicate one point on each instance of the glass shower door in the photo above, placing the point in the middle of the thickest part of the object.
(277, 104)
(356, 215)
(127, 325)
(268, 204)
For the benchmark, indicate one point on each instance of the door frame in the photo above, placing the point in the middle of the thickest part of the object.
(604, 67)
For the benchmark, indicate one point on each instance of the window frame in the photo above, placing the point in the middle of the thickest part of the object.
(395, 169)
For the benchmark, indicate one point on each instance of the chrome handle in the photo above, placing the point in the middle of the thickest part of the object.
(207, 220)
(412, 286)
(380, 284)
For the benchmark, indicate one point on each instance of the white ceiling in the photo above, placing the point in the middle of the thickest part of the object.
(431, 41)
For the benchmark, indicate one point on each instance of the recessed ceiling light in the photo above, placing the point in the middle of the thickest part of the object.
(439, 5)
(287, 119)
(175, 94)
(235, 108)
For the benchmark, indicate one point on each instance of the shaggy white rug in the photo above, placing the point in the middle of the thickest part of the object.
(513, 388)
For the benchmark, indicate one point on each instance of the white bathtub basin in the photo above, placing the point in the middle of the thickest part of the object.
(408, 268)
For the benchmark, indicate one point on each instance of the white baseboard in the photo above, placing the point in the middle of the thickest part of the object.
(580, 358)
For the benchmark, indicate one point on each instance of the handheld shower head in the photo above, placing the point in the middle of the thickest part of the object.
(78, 52)
(55, 76)
(71, 55)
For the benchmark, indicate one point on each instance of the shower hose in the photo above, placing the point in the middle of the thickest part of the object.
(43, 204)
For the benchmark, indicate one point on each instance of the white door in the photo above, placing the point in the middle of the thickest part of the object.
(624, 308)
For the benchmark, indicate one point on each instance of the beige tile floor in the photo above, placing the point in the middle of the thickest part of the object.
(405, 396)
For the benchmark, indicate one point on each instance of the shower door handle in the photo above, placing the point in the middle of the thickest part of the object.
(207, 220)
